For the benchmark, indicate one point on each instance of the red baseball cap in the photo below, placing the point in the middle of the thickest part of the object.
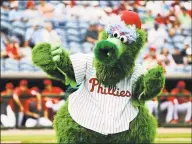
(131, 18)
(152, 49)
(181, 84)
(47, 82)
(30, 3)
(35, 89)
(23, 82)
(9, 86)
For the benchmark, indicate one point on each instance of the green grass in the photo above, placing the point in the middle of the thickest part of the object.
(49, 138)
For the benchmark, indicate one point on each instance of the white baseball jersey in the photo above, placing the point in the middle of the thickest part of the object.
(102, 109)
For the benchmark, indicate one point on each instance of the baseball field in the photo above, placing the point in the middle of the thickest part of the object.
(164, 135)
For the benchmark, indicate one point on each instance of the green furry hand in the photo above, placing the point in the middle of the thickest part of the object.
(41, 57)
(56, 52)
(55, 61)
(149, 85)
(154, 81)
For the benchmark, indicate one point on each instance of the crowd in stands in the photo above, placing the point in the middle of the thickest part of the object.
(76, 24)
(33, 107)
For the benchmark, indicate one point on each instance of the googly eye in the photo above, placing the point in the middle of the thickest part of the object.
(123, 38)
(116, 34)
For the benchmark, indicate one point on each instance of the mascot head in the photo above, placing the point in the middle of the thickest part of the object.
(118, 47)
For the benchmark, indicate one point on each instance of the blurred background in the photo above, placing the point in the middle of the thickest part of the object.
(29, 99)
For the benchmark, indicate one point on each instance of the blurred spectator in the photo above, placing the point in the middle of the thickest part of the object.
(150, 59)
(62, 10)
(148, 19)
(7, 115)
(12, 50)
(18, 94)
(34, 116)
(4, 41)
(15, 14)
(188, 58)
(96, 12)
(156, 36)
(34, 35)
(182, 103)
(170, 20)
(120, 8)
(26, 53)
(5, 6)
(30, 12)
(81, 11)
(165, 104)
(178, 58)
(165, 58)
(184, 50)
(50, 90)
(46, 9)
(50, 35)
(184, 18)
(92, 34)
(160, 19)
(154, 6)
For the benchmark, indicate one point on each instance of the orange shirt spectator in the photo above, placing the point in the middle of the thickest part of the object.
(180, 89)
(48, 91)
(51, 90)
(20, 91)
(12, 49)
(36, 98)
(46, 9)
(150, 59)
(160, 19)
(9, 87)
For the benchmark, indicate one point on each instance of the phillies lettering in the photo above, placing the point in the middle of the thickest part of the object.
(110, 90)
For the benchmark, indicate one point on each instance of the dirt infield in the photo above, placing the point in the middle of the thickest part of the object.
(51, 131)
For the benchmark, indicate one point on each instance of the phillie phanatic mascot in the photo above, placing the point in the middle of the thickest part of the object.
(109, 105)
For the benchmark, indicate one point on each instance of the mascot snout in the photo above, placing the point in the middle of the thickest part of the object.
(109, 51)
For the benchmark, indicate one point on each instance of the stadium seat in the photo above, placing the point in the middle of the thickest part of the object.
(71, 24)
(2, 64)
(73, 32)
(72, 38)
(6, 25)
(26, 65)
(18, 31)
(19, 24)
(11, 65)
(84, 25)
(4, 18)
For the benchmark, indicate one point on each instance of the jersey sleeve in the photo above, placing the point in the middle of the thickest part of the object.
(79, 62)
(138, 71)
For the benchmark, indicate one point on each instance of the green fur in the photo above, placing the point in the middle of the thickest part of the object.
(103, 35)
(105, 55)
(109, 72)
(124, 66)
(142, 130)
(41, 57)
(150, 85)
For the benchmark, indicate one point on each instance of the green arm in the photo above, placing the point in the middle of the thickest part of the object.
(148, 86)
(61, 68)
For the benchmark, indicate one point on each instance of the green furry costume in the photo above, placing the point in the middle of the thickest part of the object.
(114, 60)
